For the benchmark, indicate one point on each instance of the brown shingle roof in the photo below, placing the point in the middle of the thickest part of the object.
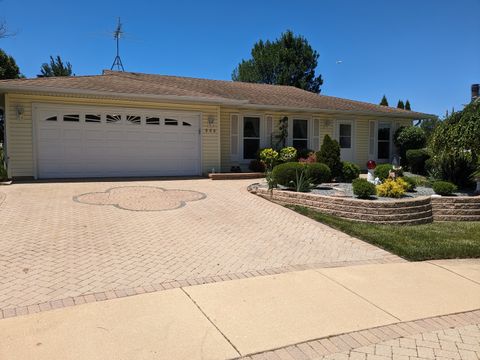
(137, 84)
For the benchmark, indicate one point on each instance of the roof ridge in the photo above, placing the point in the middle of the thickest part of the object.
(113, 72)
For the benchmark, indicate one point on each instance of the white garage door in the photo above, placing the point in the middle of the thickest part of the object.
(75, 142)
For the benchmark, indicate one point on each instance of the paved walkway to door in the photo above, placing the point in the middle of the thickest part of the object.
(69, 243)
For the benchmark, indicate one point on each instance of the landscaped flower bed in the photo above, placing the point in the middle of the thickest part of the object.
(407, 211)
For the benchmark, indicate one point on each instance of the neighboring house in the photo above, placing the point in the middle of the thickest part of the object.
(129, 124)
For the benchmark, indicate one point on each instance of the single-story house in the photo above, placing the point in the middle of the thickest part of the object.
(122, 124)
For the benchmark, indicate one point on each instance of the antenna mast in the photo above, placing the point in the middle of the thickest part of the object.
(117, 34)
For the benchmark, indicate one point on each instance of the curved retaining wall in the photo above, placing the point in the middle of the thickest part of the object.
(461, 208)
(415, 211)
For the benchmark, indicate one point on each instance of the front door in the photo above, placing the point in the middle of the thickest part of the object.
(345, 139)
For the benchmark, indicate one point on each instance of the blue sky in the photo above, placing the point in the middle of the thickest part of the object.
(424, 50)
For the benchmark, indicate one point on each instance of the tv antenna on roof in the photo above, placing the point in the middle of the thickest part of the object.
(117, 34)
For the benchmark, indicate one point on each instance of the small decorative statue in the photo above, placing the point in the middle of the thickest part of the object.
(371, 165)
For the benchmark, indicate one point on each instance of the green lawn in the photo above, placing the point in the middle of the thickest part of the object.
(440, 240)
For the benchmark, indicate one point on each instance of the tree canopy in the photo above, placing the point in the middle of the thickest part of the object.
(400, 104)
(8, 67)
(56, 68)
(289, 60)
(407, 105)
(384, 101)
(459, 132)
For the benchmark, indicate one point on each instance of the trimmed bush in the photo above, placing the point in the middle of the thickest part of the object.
(285, 174)
(411, 183)
(329, 154)
(350, 171)
(257, 166)
(382, 171)
(409, 137)
(392, 188)
(416, 159)
(444, 188)
(363, 189)
(318, 173)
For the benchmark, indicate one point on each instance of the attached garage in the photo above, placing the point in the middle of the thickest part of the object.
(95, 141)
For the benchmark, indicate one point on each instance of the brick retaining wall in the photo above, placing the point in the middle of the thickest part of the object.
(459, 208)
(414, 211)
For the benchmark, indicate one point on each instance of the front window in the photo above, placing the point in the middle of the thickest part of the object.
(383, 141)
(300, 134)
(251, 137)
(345, 136)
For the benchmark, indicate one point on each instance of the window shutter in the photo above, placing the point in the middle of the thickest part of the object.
(268, 131)
(316, 135)
(371, 140)
(234, 120)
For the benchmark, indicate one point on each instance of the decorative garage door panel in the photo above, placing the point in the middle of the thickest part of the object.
(98, 142)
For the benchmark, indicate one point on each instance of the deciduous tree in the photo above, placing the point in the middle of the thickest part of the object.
(289, 60)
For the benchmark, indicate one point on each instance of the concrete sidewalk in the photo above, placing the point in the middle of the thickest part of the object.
(240, 317)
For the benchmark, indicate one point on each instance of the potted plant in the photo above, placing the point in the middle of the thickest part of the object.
(3, 170)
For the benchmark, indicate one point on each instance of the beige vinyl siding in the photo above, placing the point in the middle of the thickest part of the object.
(20, 131)
(326, 127)
(362, 136)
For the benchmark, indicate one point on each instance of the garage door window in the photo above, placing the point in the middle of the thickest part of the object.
(115, 118)
(171, 122)
(93, 118)
(151, 120)
(51, 118)
(133, 119)
(186, 124)
(71, 118)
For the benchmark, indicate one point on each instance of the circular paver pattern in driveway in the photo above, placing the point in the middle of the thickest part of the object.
(141, 198)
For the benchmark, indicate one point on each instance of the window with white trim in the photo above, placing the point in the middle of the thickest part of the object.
(345, 136)
(251, 137)
(300, 134)
(383, 141)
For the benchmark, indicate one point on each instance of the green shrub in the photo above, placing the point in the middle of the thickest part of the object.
(392, 188)
(409, 137)
(318, 173)
(285, 174)
(363, 189)
(257, 166)
(411, 183)
(382, 171)
(453, 167)
(416, 159)
(287, 154)
(269, 157)
(350, 171)
(329, 154)
(444, 188)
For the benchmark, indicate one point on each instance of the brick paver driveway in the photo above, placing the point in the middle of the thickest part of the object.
(63, 240)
